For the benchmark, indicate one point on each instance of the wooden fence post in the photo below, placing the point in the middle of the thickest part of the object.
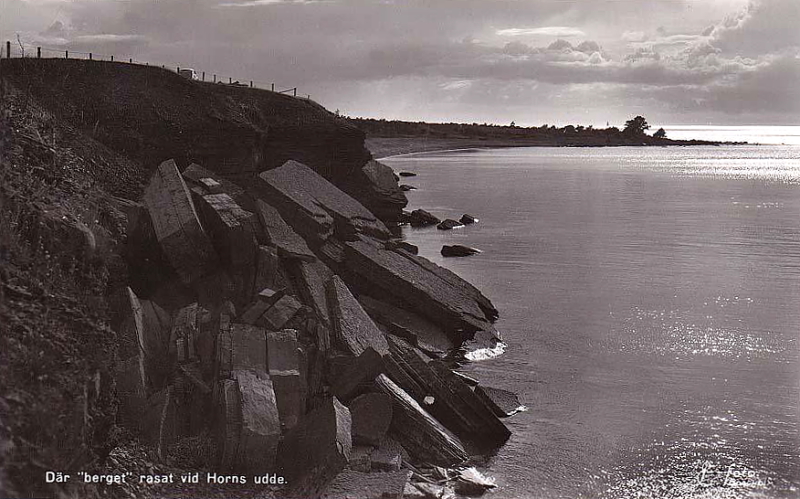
(295, 91)
(90, 56)
(273, 87)
(251, 83)
(8, 50)
(38, 52)
(230, 80)
(204, 76)
(130, 61)
(215, 78)
(66, 54)
(112, 58)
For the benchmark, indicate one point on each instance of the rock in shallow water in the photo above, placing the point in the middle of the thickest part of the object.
(449, 224)
(421, 218)
(458, 250)
(466, 219)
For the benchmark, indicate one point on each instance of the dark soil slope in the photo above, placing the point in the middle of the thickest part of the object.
(151, 114)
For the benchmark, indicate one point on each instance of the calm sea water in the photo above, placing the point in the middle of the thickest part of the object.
(650, 298)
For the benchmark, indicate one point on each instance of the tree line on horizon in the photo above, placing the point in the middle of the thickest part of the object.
(634, 129)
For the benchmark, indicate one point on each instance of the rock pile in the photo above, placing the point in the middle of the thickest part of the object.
(286, 321)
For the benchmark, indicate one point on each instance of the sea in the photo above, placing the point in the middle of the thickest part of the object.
(649, 298)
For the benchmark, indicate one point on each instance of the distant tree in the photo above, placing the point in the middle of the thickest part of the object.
(636, 126)
(660, 134)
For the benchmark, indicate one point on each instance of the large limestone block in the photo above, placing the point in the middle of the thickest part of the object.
(444, 299)
(284, 370)
(200, 177)
(371, 413)
(314, 207)
(177, 227)
(185, 332)
(280, 235)
(455, 404)
(353, 328)
(161, 420)
(312, 278)
(232, 229)
(249, 349)
(261, 426)
(356, 372)
(419, 432)
(317, 449)
(375, 185)
(281, 312)
(503, 402)
(419, 331)
(144, 333)
(227, 423)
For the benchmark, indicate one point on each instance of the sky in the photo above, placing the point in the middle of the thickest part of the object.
(533, 62)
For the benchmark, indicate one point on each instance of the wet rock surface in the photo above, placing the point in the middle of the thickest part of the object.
(449, 224)
(458, 250)
(421, 218)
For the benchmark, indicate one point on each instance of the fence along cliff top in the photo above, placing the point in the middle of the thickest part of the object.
(20, 52)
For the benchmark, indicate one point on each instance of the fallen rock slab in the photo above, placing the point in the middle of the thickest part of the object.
(371, 414)
(356, 373)
(455, 404)
(280, 235)
(375, 185)
(261, 425)
(213, 184)
(353, 327)
(458, 250)
(177, 227)
(227, 423)
(284, 371)
(502, 402)
(241, 347)
(316, 450)
(441, 296)
(281, 312)
(232, 229)
(407, 174)
(419, 331)
(314, 207)
(312, 278)
(354, 484)
(417, 431)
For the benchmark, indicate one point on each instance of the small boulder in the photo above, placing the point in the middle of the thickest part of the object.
(449, 224)
(459, 250)
(422, 218)
(406, 187)
(467, 219)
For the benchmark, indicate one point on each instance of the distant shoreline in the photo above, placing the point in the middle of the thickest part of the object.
(385, 147)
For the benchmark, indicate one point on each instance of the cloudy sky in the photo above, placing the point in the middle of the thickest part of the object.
(530, 61)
